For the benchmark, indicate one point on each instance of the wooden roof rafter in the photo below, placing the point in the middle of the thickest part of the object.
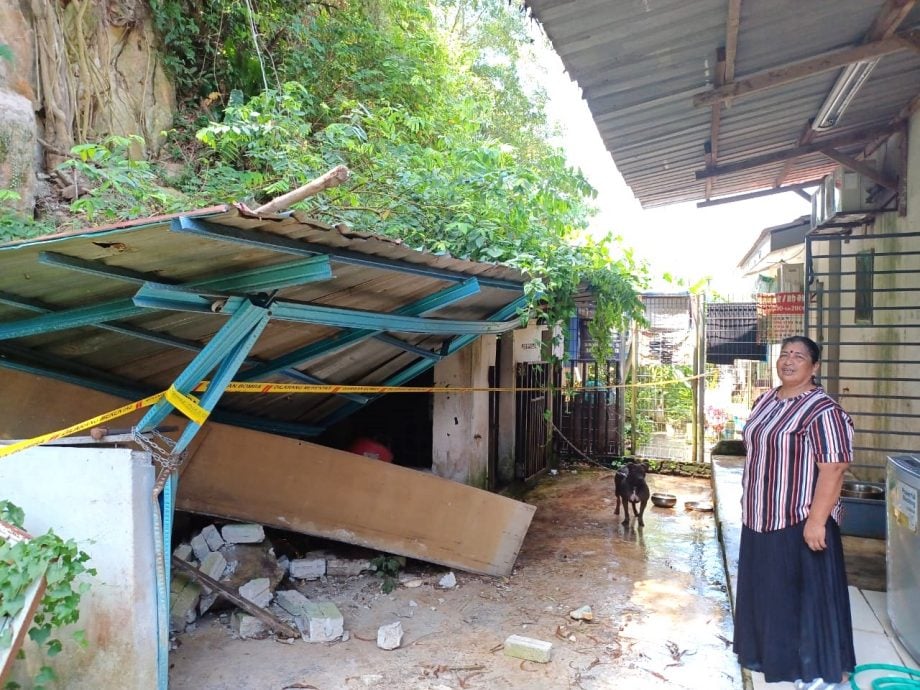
(724, 72)
(797, 188)
(802, 69)
(843, 140)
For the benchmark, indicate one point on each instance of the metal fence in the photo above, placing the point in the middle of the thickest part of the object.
(532, 447)
(664, 398)
(863, 306)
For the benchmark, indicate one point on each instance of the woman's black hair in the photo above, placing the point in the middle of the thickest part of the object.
(813, 348)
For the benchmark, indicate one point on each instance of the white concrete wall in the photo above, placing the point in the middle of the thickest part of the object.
(460, 434)
(100, 498)
(528, 344)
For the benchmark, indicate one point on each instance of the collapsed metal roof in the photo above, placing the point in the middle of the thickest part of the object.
(125, 308)
(711, 98)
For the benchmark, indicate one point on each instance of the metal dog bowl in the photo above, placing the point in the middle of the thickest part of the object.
(861, 490)
(664, 500)
(702, 506)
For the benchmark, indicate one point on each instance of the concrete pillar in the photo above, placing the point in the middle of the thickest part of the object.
(460, 434)
(506, 411)
(100, 498)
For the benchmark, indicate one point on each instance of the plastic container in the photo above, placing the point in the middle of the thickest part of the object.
(863, 517)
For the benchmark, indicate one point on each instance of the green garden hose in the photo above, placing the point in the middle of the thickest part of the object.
(908, 680)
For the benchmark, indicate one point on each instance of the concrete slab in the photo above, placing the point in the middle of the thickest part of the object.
(330, 493)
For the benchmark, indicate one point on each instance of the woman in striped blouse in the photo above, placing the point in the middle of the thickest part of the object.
(792, 616)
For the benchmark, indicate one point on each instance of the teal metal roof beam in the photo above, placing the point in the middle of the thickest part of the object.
(274, 277)
(169, 340)
(98, 268)
(345, 339)
(254, 280)
(424, 365)
(271, 426)
(249, 318)
(158, 297)
(69, 318)
(280, 243)
(407, 347)
(123, 329)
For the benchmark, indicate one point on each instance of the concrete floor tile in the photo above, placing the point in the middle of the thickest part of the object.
(878, 602)
(874, 648)
(863, 616)
(879, 605)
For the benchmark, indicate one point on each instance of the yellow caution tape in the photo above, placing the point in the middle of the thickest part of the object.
(334, 389)
(88, 424)
(187, 405)
(191, 408)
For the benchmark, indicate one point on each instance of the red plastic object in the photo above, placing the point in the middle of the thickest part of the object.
(370, 448)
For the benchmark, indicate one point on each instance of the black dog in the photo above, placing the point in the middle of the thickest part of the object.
(631, 488)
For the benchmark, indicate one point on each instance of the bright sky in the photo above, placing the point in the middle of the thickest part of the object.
(683, 240)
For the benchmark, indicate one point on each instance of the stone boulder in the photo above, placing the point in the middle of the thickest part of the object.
(18, 138)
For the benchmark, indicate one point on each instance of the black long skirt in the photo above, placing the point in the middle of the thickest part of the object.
(792, 613)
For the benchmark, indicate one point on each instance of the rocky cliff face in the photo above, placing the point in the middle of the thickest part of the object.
(79, 71)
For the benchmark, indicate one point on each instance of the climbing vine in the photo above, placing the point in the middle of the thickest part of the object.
(21, 563)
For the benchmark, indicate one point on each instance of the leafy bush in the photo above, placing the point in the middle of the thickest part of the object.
(61, 562)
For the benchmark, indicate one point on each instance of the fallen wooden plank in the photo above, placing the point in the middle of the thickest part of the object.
(266, 617)
(19, 624)
(251, 476)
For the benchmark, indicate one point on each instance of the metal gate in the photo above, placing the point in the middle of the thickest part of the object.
(589, 414)
(531, 455)
(863, 306)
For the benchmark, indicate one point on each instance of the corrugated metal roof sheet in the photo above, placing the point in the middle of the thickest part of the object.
(369, 273)
(640, 63)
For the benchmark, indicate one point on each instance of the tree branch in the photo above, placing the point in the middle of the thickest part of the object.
(333, 178)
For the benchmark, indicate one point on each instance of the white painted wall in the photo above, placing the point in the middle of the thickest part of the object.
(100, 498)
(528, 344)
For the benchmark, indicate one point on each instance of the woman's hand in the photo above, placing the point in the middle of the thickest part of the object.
(814, 535)
(827, 491)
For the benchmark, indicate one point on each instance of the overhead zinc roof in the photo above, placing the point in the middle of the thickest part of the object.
(125, 308)
(640, 64)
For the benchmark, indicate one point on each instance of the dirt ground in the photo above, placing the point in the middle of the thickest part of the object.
(658, 595)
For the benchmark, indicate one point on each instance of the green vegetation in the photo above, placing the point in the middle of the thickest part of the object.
(20, 565)
(430, 106)
(386, 567)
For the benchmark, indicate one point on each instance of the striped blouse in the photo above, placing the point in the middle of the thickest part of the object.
(784, 440)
